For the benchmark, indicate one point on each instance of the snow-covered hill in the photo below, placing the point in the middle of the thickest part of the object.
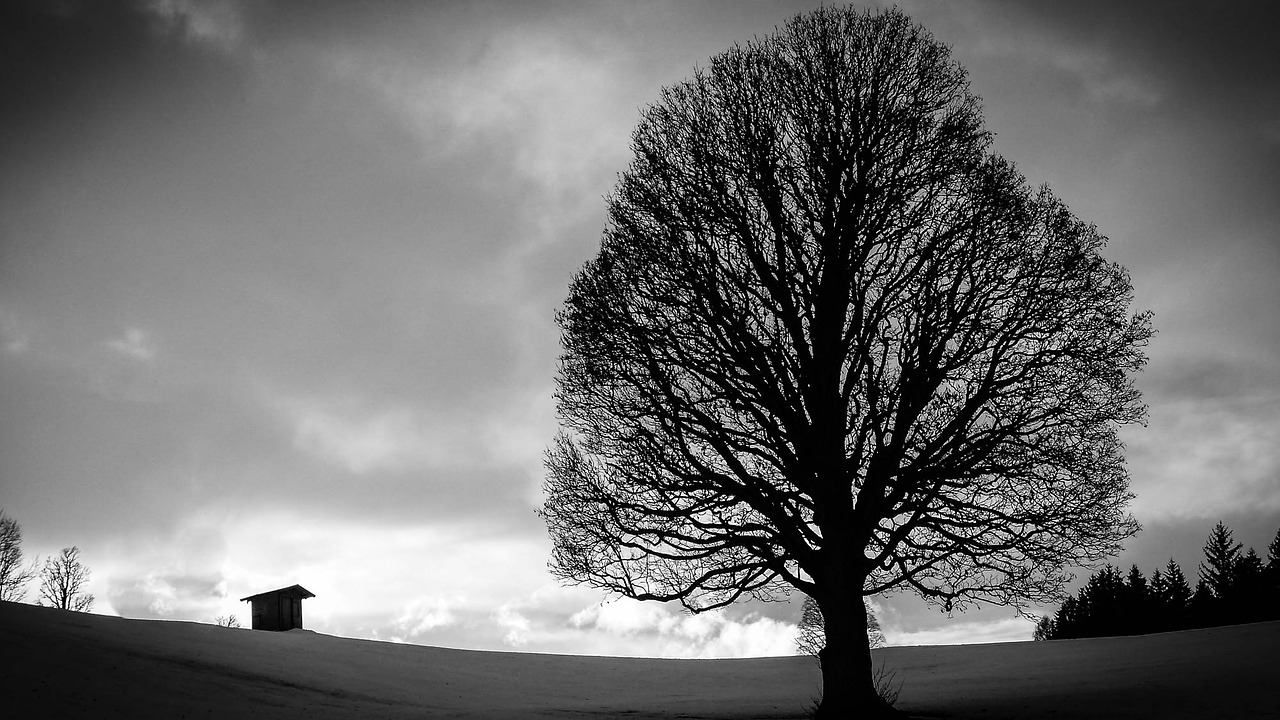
(72, 665)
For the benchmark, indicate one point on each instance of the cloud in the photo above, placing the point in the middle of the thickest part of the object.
(177, 574)
(758, 637)
(660, 631)
(625, 617)
(907, 619)
(128, 372)
(1208, 457)
(1014, 629)
(542, 105)
(13, 334)
(161, 594)
(135, 344)
(517, 627)
(1212, 63)
(364, 441)
(365, 438)
(1093, 68)
(427, 613)
(213, 22)
(434, 582)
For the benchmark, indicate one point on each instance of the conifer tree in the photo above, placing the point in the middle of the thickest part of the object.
(1111, 603)
(1272, 579)
(1221, 554)
(1136, 605)
(1159, 585)
(1247, 602)
(1179, 590)
(1202, 607)
(1161, 617)
(1176, 597)
(1136, 583)
(1068, 621)
(1232, 588)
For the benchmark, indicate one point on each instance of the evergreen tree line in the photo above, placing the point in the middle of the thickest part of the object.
(1232, 588)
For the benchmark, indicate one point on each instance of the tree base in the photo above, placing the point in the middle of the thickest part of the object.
(875, 710)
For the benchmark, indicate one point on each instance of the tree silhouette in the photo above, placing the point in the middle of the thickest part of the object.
(62, 580)
(1104, 597)
(809, 635)
(1046, 629)
(1271, 578)
(1137, 603)
(1178, 592)
(1111, 605)
(831, 342)
(1070, 621)
(1221, 554)
(1246, 602)
(1203, 606)
(14, 576)
(1158, 590)
(1174, 598)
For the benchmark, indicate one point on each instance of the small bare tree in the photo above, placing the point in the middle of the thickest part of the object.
(62, 580)
(229, 621)
(13, 576)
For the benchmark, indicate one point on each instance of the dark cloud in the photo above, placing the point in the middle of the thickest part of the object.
(1207, 80)
(1211, 60)
(1184, 540)
(1205, 378)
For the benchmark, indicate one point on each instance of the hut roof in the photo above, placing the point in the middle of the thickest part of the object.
(292, 591)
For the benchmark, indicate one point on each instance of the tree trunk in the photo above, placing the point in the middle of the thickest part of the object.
(848, 685)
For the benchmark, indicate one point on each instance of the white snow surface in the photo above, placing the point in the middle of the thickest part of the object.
(60, 664)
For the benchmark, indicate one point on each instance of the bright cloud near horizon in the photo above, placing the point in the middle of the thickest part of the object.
(277, 284)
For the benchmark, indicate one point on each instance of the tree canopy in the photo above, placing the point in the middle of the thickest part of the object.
(14, 575)
(62, 582)
(832, 342)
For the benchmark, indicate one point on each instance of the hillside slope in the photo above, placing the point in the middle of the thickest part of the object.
(72, 665)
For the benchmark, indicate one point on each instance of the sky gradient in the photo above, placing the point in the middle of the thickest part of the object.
(277, 284)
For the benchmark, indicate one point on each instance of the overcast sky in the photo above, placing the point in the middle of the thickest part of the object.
(277, 284)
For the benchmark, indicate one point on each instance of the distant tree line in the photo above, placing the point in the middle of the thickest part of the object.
(1232, 588)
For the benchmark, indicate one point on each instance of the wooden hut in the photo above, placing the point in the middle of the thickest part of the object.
(278, 609)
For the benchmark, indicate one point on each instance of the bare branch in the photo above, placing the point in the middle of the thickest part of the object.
(62, 581)
(14, 576)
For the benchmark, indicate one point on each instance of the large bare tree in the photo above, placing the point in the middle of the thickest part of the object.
(831, 342)
(14, 576)
(62, 582)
